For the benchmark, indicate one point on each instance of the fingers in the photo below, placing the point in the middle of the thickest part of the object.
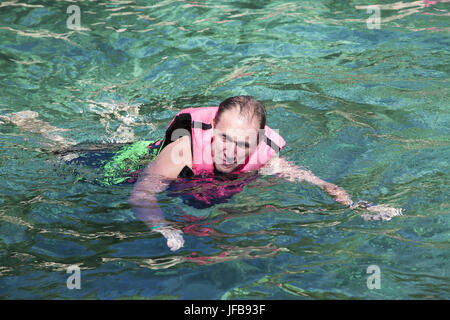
(175, 242)
(173, 236)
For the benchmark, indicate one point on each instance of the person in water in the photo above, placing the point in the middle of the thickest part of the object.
(207, 146)
(232, 138)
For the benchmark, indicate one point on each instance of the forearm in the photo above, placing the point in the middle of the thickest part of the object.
(293, 173)
(338, 193)
(143, 199)
(153, 180)
(145, 207)
(147, 210)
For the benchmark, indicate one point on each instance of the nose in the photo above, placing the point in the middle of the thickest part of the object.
(230, 152)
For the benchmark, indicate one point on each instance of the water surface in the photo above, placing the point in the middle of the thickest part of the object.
(366, 109)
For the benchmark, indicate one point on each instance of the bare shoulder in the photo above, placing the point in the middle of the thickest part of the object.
(172, 159)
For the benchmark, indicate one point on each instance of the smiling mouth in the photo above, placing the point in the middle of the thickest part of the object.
(228, 165)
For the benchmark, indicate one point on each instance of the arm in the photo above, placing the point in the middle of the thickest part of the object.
(153, 180)
(143, 198)
(291, 172)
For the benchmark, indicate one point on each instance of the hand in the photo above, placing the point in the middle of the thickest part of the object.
(338, 194)
(174, 237)
(381, 212)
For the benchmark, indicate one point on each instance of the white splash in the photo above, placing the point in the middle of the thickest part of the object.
(127, 115)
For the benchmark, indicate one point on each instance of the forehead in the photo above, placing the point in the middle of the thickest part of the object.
(232, 120)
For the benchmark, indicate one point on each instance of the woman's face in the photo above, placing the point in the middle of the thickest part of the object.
(234, 138)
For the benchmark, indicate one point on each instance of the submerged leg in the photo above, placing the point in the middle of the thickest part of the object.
(28, 121)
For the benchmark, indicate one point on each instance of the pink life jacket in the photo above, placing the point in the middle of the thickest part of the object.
(198, 121)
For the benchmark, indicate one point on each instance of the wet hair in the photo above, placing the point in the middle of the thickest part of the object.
(249, 107)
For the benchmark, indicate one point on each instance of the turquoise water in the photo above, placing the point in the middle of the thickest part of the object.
(366, 109)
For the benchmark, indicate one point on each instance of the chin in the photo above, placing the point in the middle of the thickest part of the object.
(225, 169)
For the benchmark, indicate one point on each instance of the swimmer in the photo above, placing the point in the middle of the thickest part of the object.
(229, 139)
